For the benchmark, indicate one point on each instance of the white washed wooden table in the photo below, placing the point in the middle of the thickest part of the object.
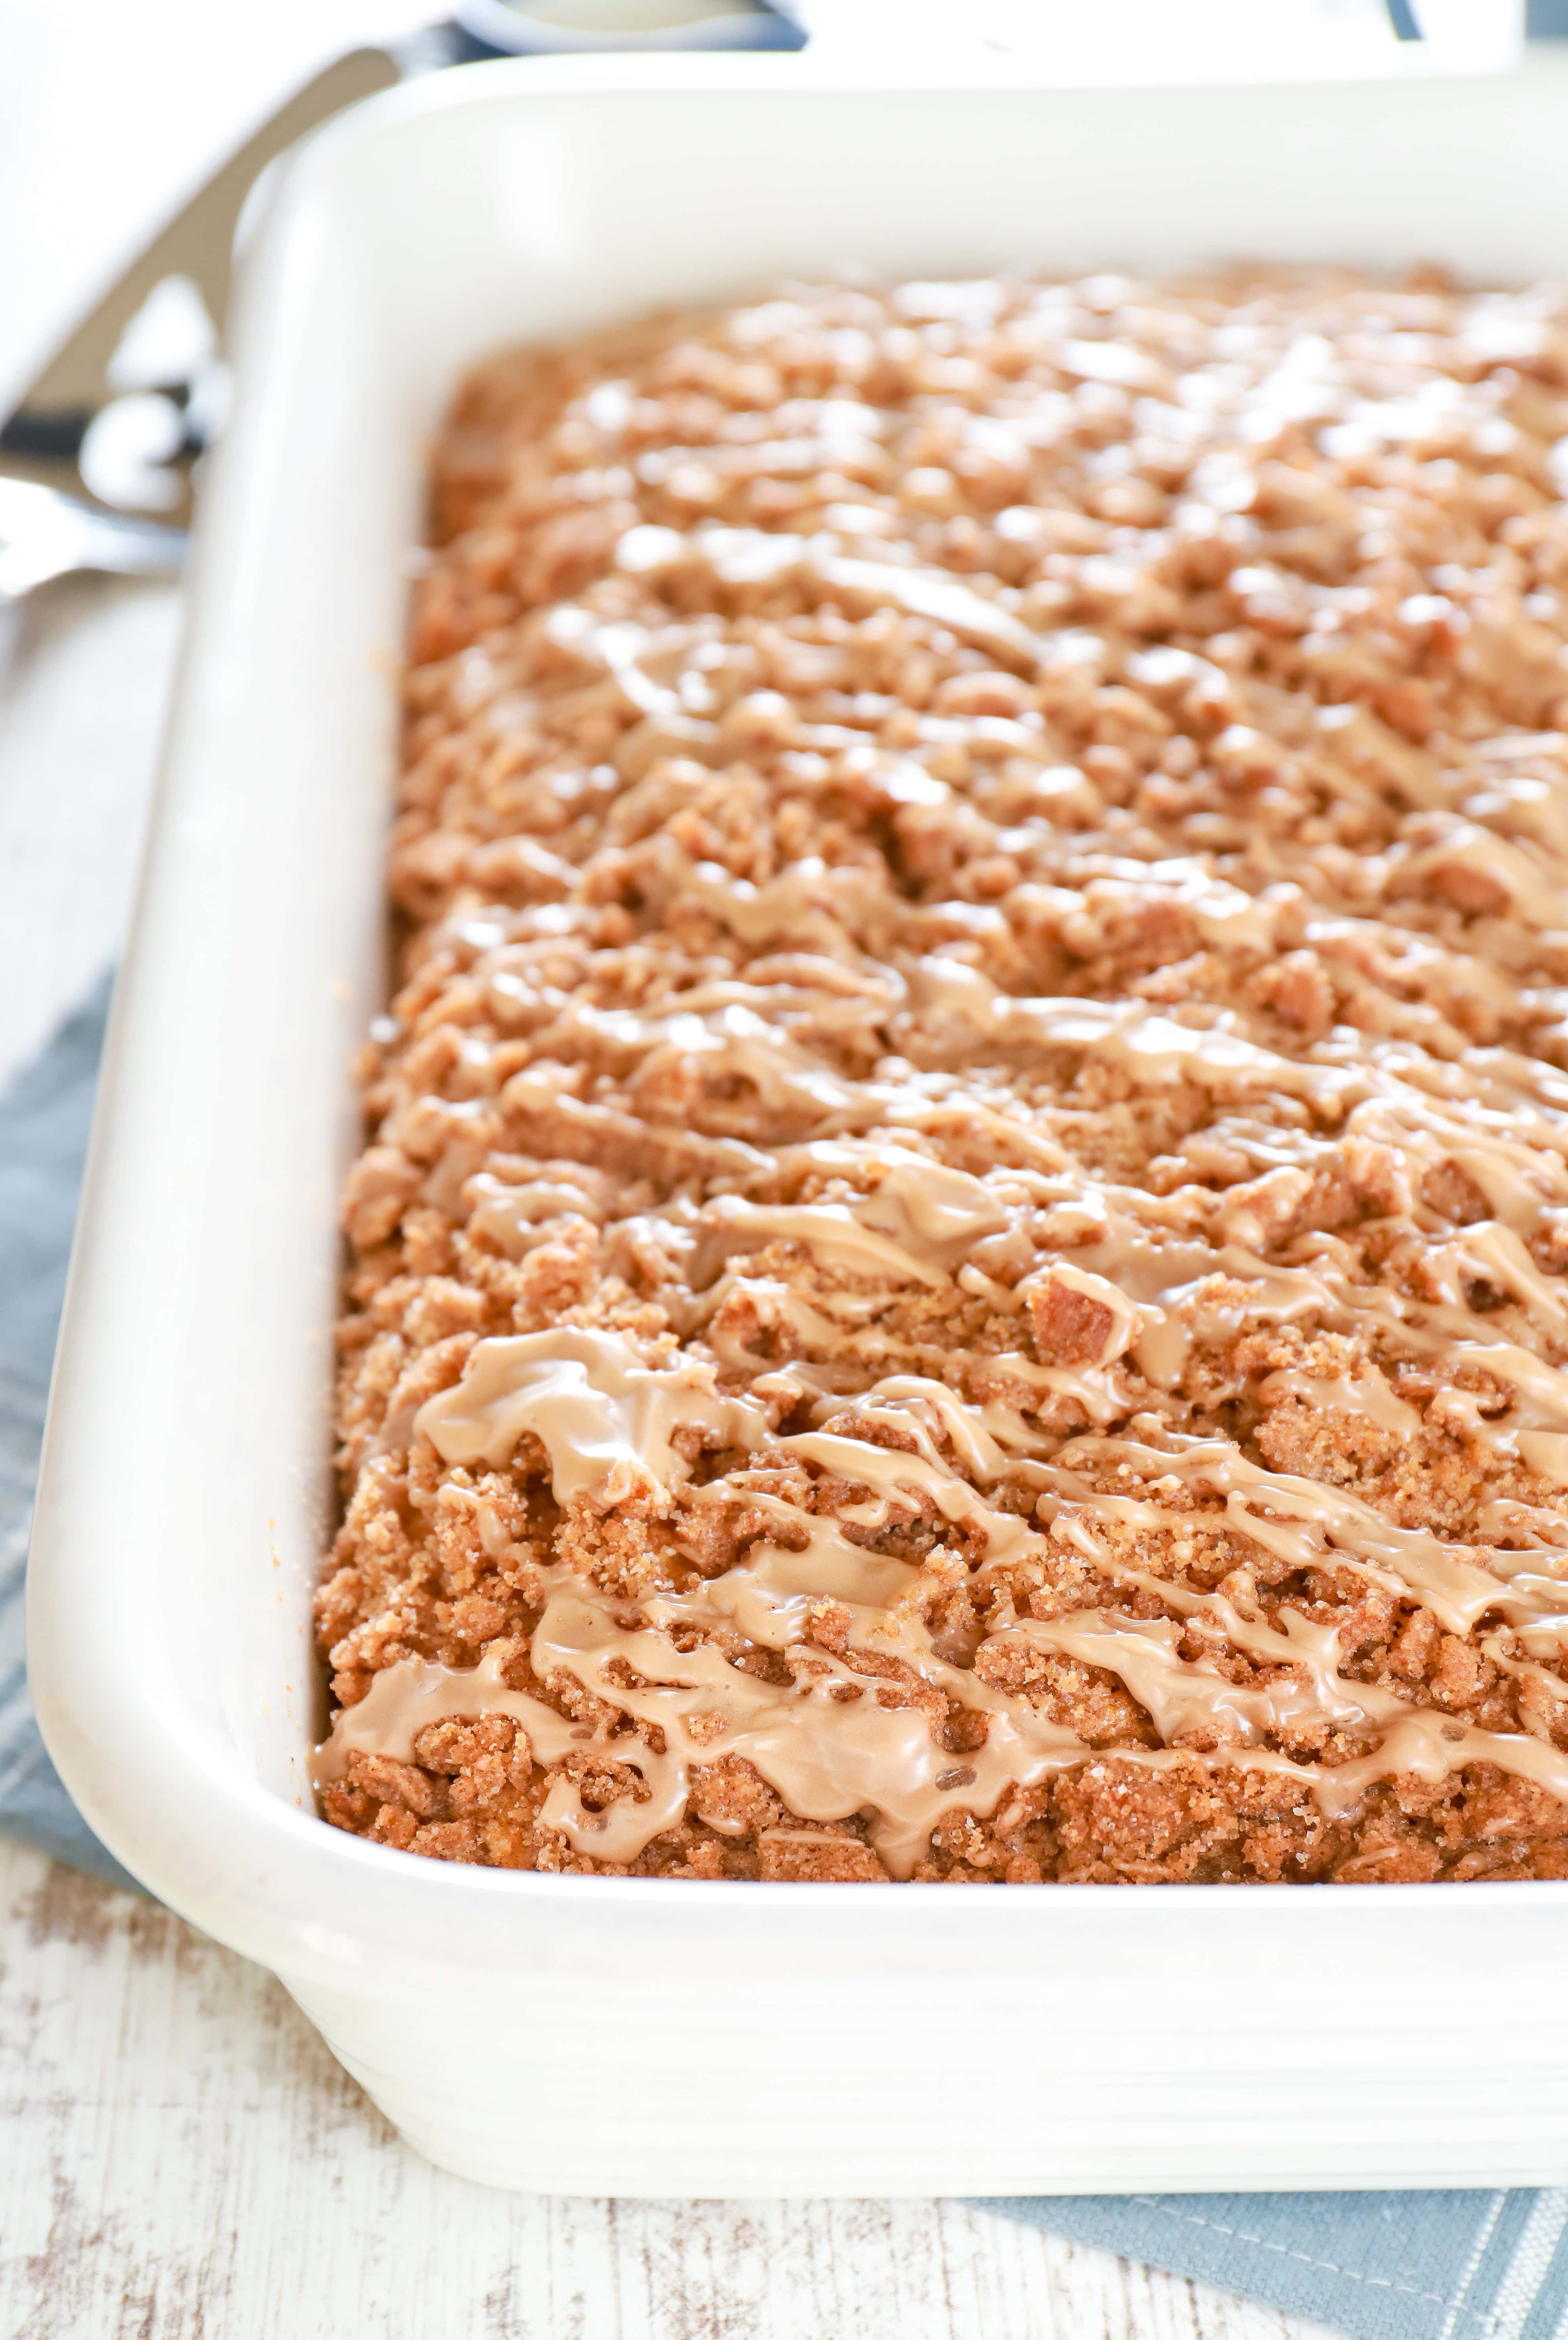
(180, 2158)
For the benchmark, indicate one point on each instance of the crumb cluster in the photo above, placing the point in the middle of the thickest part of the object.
(959, 1268)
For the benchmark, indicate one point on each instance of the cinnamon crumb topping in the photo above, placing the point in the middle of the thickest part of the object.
(958, 1269)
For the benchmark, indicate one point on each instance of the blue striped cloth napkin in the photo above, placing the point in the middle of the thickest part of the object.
(44, 1120)
(1386, 2267)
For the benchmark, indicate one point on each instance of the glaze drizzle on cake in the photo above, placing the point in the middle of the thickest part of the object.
(959, 1268)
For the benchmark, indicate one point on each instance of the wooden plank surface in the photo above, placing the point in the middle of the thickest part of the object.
(180, 2158)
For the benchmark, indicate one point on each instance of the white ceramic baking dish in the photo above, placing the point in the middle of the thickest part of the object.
(614, 2036)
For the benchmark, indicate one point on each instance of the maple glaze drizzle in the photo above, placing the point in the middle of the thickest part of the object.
(834, 1737)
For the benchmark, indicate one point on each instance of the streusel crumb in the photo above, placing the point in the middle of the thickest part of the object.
(959, 1270)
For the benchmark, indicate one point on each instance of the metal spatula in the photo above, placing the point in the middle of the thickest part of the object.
(59, 510)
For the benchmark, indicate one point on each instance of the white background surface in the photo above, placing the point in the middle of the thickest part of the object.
(178, 2155)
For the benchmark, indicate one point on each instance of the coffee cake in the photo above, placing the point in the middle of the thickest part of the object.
(958, 1270)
